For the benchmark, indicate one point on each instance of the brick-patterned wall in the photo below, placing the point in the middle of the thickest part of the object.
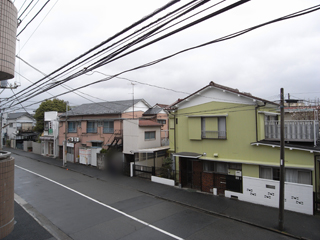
(197, 172)
(6, 196)
(207, 182)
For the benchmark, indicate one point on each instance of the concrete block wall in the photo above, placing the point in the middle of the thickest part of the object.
(36, 147)
(6, 196)
(26, 145)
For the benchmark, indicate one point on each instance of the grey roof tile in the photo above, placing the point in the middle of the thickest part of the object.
(112, 107)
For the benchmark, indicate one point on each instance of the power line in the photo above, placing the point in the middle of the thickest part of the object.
(106, 41)
(227, 37)
(296, 14)
(33, 18)
(38, 26)
(25, 9)
(22, 5)
(113, 54)
(29, 12)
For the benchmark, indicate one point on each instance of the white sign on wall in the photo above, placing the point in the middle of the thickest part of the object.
(298, 197)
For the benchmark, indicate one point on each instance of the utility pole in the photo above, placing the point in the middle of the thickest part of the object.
(65, 138)
(282, 167)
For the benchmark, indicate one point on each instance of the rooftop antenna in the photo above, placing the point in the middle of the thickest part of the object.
(132, 99)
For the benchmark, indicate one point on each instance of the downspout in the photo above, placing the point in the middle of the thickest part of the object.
(256, 116)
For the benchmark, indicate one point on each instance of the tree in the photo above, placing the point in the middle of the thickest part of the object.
(48, 105)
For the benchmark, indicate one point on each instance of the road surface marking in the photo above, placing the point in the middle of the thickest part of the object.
(103, 204)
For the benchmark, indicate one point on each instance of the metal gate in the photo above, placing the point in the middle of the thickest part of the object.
(143, 171)
(70, 154)
(126, 169)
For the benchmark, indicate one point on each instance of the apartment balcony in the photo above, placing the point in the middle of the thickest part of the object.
(294, 130)
(25, 129)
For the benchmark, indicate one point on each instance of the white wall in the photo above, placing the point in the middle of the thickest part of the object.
(49, 116)
(143, 144)
(298, 197)
(139, 106)
(130, 135)
(36, 148)
(217, 95)
(133, 137)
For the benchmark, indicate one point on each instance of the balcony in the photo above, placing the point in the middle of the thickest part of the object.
(25, 129)
(294, 130)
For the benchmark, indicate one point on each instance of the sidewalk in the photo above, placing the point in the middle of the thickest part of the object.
(296, 225)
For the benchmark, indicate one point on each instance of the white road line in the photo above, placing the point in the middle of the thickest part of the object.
(103, 204)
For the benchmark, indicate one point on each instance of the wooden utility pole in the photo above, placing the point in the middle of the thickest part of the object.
(282, 167)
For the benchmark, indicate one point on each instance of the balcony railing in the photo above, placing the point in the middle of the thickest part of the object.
(294, 130)
(165, 141)
(214, 134)
(25, 129)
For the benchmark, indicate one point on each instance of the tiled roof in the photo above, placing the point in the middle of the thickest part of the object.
(148, 123)
(152, 111)
(114, 107)
(156, 109)
(162, 105)
(233, 90)
(18, 115)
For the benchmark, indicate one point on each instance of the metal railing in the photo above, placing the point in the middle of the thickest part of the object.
(295, 130)
(165, 141)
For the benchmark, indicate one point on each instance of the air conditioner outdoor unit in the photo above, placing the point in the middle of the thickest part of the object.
(76, 139)
(71, 139)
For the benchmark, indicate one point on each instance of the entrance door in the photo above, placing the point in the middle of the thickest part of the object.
(189, 173)
(220, 183)
(186, 172)
(50, 148)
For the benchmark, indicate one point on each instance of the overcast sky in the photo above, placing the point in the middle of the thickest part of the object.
(285, 54)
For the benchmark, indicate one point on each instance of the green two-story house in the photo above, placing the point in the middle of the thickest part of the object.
(226, 142)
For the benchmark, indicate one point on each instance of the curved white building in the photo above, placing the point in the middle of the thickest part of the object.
(8, 31)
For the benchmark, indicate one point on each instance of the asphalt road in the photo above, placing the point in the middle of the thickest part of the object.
(87, 208)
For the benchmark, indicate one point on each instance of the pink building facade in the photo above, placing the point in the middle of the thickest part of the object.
(97, 125)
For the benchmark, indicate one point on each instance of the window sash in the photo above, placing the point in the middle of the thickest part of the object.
(213, 127)
(291, 175)
(208, 166)
(150, 135)
(108, 127)
(72, 127)
(162, 121)
(92, 127)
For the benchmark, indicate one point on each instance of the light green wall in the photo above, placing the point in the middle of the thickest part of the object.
(250, 170)
(241, 131)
